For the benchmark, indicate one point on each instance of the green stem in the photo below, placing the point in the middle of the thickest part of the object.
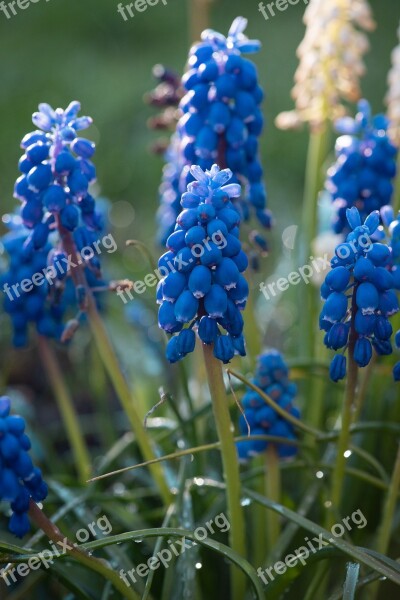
(67, 410)
(91, 562)
(309, 221)
(111, 364)
(389, 509)
(259, 517)
(230, 465)
(251, 330)
(364, 385)
(121, 387)
(199, 17)
(347, 416)
(385, 528)
(273, 492)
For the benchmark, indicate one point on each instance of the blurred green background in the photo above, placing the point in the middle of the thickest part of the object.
(59, 50)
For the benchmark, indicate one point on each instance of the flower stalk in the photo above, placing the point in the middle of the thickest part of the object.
(91, 562)
(112, 367)
(230, 465)
(347, 414)
(67, 409)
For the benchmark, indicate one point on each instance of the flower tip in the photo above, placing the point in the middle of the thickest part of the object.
(238, 26)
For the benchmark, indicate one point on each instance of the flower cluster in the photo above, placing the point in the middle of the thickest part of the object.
(221, 122)
(359, 295)
(365, 166)
(393, 95)
(166, 96)
(39, 304)
(203, 285)
(20, 480)
(331, 61)
(390, 233)
(56, 204)
(56, 173)
(272, 376)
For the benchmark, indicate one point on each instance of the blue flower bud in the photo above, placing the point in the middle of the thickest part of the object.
(186, 341)
(216, 301)
(39, 177)
(200, 280)
(54, 198)
(388, 303)
(367, 298)
(382, 328)
(186, 307)
(379, 254)
(335, 307)
(167, 319)
(396, 371)
(224, 349)
(337, 369)
(83, 147)
(173, 285)
(338, 279)
(362, 352)
(338, 335)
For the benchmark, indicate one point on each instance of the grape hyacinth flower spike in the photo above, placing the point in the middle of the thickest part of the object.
(392, 99)
(221, 122)
(272, 376)
(390, 233)
(359, 296)
(365, 166)
(203, 287)
(20, 480)
(331, 62)
(59, 219)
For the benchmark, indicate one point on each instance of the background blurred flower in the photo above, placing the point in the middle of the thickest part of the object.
(20, 480)
(393, 95)
(331, 61)
(221, 122)
(272, 376)
(365, 166)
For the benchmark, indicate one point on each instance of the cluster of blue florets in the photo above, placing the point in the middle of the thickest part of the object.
(202, 283)
(35, 304)
(221, 122)
(272, 376)
(53, 188)
(56, 174)
(20, 480)
(365, 167)
(359, 294)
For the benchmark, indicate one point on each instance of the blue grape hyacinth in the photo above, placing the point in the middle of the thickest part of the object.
(20, 480)
(272, 376)
(365, 166)
(359, 294)
(56, 174)
(40, 305)
(55, 206)
(221, 122)
(202, 285)
(390, 233)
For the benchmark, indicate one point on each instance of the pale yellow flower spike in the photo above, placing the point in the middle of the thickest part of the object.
(331, 62)
(393, 96)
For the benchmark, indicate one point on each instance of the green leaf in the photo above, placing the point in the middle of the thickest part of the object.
(373, 560)
(350, 585)
(167, 531)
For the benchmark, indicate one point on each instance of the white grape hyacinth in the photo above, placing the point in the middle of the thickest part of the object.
(331, 62)
(393, 96)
